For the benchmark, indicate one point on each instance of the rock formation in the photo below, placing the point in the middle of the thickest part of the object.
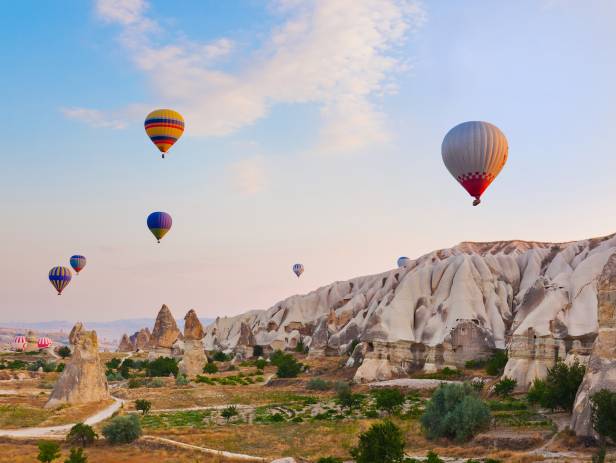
(165, 330)
(444, 308)
(83, 379)
(601, 368)
(193, 358)
(141, 339)
(125, 344)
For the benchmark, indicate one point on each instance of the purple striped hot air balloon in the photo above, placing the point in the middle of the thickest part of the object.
(159, 224)
(59, 277)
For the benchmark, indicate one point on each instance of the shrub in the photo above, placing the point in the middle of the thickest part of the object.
(474, 364)
(346, 398)
(135, 382)
(128, 363)
(559, 388)
(388, 399)
(288, 367)
(210, 368)
(383, 443)
(76, 456)
(260, 364)
(60, 367)
(48, 451)
(113, 364)
(604, 414)
(124, 371)
(220, 356)
(64, 352)
(276, 357)
(454, 412)
(114, 376)
(162, 366)
(495, 365)
(122, 429)
(257, 351)
(143, 406)
(300, 347)
(505, 387)
(82, 435)
(181, 380)
(229, 412)
(318, 384)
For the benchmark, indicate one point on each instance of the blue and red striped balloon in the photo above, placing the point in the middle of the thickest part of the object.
(78, 263)
(59, 277)
(159, 224)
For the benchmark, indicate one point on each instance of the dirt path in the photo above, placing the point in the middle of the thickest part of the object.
(219, 453)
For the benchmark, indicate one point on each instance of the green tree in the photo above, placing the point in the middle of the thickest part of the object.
(455, 412)
(82, 435)
(113, 364)
(220, 356)
(260, 363)
(495, 365)
(288, 367)
(162, 366)
(346, 398)
(143, 405)
(76, 456)
(388, 399)
(603, 405)
(559, 388)
(382, 443)
(210, 368)
(64, 352)
(300, 347)
(229, 413)
(505, 387)
(122, 429)
(48, 451)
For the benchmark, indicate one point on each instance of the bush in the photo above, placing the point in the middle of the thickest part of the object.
(220, 356)
(162, 366)
(382, 443)
(210, 368)
(143, 406)
(124, 371)
(318, 384)
(64, 352)
(604, 414)
(114, 376)
(82, 435)
(128, 363)
(48, 451)
(288, 367)
(229, 412)
(76, 456)
(505, 387)
(300, 347)
(388, 399)
(346, 398)
(60, 367)
(257, 351)
(181, 380)
(495, 365)
(260, 364)
(276, 356)
(122, 429)
(455, 412)
(113, 364)
(559, 388)
(135, 383)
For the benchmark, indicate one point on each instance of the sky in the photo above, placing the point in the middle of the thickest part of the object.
(313, 135)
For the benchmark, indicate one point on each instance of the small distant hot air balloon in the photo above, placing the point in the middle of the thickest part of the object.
(60, 277)
(403, 261)
(474, 153)
(164, 127)
(78, 263)
(298, 269)
(159, 224)
(44, 342)
(19, 342)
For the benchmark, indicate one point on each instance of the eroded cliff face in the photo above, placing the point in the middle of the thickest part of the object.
(444, 307)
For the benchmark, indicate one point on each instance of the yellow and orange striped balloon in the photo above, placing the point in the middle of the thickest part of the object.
(164, 127)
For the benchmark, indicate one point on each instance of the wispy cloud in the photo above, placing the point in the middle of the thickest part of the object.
(338, 54)
(249, 175)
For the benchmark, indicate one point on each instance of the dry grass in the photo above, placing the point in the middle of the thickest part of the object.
(25, 414)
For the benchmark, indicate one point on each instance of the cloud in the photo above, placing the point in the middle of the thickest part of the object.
(249, 176)
(340, 55)
(107, 119)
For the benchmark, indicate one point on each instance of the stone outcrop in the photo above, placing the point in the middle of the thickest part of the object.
(83, 379)
(125, 344)
(193, 357)
(165, 330)
(601, 369)
(446, 307)
(141, 339)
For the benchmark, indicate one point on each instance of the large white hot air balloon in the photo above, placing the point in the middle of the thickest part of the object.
(475, 152)
(298, 269)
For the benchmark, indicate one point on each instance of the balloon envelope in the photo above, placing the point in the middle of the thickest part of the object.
(164, 127)
(159, 224)
(475, 152)
(403, 261)
(78, 263)
(59, 277)
(298, 269)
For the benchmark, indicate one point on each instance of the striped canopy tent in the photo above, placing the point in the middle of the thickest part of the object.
(44, 342)
(19, 342)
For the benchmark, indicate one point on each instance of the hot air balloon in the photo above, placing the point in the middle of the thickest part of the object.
(44, 342)
(60, 277)
(19, 342)
(78, 263)
(475, 152)
(159, 224)
(298, 269)
(403, 261)
(164, 127)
